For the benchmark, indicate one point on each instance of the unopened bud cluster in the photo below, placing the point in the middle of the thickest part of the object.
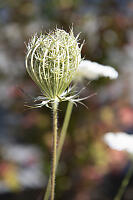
(52, 61)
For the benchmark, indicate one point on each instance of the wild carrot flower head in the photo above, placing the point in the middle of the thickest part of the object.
(119, 141)
(52, 60)
(94, 70)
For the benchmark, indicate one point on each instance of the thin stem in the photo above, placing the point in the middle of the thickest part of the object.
(124, 183)
(60, 145)
(64, 131)
(53, 172)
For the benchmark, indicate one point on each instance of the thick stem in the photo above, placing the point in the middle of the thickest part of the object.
(53, 172)
(60, 145)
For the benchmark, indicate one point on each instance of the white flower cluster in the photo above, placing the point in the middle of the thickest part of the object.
(119, 141)
(93, 70)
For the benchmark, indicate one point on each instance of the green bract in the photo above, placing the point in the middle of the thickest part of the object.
(52, 61)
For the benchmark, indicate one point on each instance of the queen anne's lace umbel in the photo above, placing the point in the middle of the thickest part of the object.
(52, 61)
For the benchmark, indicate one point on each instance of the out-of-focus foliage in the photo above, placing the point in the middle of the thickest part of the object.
(88, 168)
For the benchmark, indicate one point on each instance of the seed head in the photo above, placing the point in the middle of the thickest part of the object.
(52, 60)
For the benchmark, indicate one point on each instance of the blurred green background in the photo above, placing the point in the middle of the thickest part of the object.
(88, 169)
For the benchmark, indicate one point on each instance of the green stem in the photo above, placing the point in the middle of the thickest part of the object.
(60, 145)
(64, 131)
(124, 183)
(53, 172)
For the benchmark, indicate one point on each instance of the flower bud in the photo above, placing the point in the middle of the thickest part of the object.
(52, 61)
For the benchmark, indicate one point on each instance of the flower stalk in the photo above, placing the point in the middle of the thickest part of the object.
(124, 184)
(53, 171)
(60, 144)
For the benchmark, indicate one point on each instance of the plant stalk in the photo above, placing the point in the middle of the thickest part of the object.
(53, 171)
(60, 145)
(64, 131)
(124, 183)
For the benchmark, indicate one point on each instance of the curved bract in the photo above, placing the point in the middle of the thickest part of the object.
(52, 61)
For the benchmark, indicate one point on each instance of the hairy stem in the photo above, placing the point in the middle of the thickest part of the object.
(60, 145)
(53, 172)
